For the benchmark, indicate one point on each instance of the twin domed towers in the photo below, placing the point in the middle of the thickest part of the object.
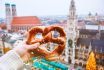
(10, 13)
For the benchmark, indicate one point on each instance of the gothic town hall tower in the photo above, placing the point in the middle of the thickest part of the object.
(71, 33)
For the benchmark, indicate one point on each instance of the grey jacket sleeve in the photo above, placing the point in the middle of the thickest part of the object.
(11, 61)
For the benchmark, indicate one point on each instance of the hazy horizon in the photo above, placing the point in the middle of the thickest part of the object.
(52, 7)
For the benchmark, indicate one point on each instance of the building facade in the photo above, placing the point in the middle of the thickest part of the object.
(83, 36)
(71, 34)
(90, 40)
(24, 23)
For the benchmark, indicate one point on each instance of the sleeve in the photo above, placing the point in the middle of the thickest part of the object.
(11, 61)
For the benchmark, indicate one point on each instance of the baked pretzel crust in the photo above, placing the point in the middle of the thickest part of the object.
(47, 37)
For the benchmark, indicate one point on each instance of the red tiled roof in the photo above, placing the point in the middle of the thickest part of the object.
(3, 25)
(26, 20)
(102, 23)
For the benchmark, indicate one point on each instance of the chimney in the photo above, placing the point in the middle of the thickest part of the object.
(14, 13)
(8, 16)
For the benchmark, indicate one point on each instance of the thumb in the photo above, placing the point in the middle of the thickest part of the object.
(34, 46)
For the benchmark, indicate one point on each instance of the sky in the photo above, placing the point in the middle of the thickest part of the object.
(52, 7)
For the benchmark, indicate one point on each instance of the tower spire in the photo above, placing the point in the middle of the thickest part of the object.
(72, 6)
(71, 32)
(72, 10)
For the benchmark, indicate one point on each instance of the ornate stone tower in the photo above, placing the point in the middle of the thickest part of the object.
(8, 16)
(71, 33)
(14, 13)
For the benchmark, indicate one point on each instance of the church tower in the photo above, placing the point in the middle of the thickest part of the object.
(10, 13)
(71, 33)
(14, 13)
(8, 16)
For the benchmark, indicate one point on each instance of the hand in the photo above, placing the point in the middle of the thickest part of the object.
(25, 50)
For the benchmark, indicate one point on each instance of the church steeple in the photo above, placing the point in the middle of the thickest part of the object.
(71, 33)
(72, 6)
(72, 10)
(8, 16)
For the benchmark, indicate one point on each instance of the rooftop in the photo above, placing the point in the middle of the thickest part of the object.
(95, 43)
(26, 20)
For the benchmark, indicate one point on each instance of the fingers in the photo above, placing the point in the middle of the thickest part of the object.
(34, 46)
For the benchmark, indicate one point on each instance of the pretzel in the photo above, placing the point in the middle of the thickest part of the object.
(47, 37)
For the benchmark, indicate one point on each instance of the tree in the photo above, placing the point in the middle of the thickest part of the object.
(91, 63)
